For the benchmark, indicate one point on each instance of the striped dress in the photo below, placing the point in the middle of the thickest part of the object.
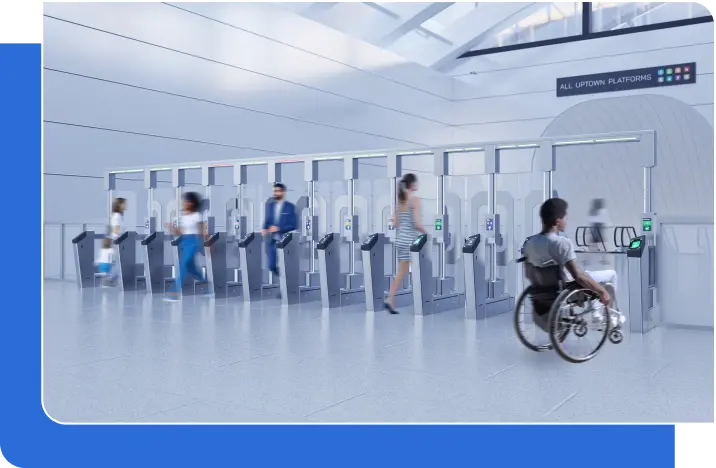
(406, 233)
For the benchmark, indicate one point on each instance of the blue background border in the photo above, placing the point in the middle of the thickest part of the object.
(28, 438)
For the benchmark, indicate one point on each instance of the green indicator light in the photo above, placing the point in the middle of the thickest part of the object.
(635, 244)
(438, 224)
(646, 224)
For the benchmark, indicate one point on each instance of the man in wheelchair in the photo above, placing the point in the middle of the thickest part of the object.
(550, 253)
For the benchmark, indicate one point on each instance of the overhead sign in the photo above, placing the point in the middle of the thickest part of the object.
(670, 75)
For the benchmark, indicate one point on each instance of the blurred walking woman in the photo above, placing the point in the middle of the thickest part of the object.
(407, 222)
(192, 231)
(116, 229)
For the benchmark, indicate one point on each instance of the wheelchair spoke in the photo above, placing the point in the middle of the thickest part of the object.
(587, 328)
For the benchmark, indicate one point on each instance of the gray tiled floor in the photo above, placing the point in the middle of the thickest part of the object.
(112, 357)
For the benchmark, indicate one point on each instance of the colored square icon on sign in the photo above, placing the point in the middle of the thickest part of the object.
(660, 79)
(687, 77)
(678, 77)
(669, 78)
(687, 69)
(669, 71)
(677, 70)
(660, 72)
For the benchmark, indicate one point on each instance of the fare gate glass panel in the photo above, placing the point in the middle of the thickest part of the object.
(223, 199)
(372, 189)
(292, 176)
(256, 193)
(332, 204)
(519, 195)
(164, 209)
(464, 191)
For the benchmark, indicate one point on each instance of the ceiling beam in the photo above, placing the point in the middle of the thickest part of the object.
(412, 22)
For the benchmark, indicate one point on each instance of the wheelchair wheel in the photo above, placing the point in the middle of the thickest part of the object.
(574, 310)
(528, 332)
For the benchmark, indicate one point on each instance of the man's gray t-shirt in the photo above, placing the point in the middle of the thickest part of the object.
(547, 249)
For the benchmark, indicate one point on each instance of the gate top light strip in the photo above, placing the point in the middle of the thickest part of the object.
(413, 153)
(328, 158)
(598, 140)
(161, 169)
(372, 155)
(126, 171)
(463, 150)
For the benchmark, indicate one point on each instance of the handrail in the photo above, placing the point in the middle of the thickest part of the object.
(623, 229)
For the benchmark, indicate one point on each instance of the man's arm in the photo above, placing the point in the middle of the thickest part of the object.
(586, 281)
(565, 255)
(290, 218)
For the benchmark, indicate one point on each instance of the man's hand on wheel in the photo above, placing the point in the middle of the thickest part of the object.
(604, 298)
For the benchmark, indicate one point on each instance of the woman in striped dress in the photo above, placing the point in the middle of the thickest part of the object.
(407, 222)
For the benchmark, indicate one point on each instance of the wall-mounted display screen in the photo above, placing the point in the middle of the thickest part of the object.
(646, 224)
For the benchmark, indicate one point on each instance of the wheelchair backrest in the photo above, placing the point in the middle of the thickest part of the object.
(547, 277)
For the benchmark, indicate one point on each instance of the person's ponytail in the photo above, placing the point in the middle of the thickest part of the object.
(406, 183)
(402, 192)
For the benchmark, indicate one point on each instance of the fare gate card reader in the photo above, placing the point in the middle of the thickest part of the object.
(216, 267)
(329, 266)
(475, 282)
(471, 244)
(373, 257)
(636, 247)
(284, 241)
(325, 241)
(641, 293)
(288, 269)
(250, 265)
(418, 243)
(426, 299)
(246, 240)
(370, 242)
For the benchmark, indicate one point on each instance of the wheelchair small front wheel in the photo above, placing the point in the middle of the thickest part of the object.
(574, 309)
(616, 336)
(527, 331)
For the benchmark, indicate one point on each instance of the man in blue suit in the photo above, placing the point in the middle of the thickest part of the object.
(280, 219)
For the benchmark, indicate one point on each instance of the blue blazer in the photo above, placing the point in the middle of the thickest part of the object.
(287, 220)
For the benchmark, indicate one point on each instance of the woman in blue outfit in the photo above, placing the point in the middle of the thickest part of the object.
(192, 231)
(407, 222)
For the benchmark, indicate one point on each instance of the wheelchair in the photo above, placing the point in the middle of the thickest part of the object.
(561, 313)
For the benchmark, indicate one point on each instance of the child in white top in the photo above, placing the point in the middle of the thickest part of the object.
(105, 259)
